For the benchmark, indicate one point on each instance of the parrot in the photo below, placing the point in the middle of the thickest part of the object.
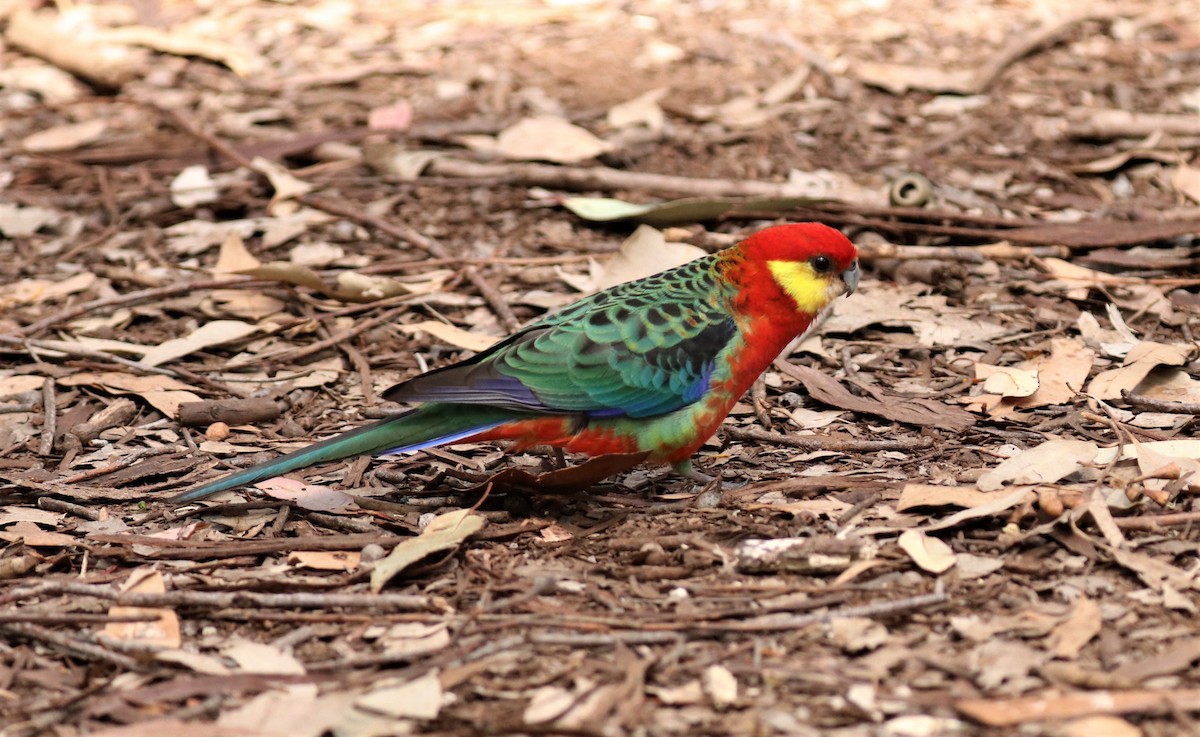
(648, 366)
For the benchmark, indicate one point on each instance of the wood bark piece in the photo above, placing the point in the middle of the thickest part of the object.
(116, 414)
(230, 411)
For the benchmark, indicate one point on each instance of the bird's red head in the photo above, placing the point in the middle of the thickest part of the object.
(811, 262)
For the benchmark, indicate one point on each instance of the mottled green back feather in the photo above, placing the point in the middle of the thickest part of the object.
(638, 349)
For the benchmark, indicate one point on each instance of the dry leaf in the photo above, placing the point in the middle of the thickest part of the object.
(193, 186)
(234, 257)
(309, 496)
(35, 537)
(21, 222)
(927, 495)
(548, 138)
(1139, 362)
(258, 657)
(420, 698)
(1007, 381)
(445, 532)
(207, 335)
(65, 137)
(161, 632)
(720, 684)
(161, 392)
(1061, 374)
(899, 78)
(1042, 464)
(930, 553)
(1077, 630)
(451, 334)
(547, 704)
(285, 184)
(1186, 181)
(643, 253)
(641, 110)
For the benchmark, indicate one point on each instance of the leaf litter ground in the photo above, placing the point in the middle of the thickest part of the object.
(965, 507)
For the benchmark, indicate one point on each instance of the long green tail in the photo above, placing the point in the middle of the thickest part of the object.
(423, 427)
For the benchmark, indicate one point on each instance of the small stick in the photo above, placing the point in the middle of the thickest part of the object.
(142, 295)
(813, 442)
(51, 504)
(1160, 405)
(226, 599)
(58, 641)
(49, 418)
(434, 248)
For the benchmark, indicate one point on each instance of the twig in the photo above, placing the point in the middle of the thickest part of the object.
(51, 504)
(199, 133)
(1025, 43)
(771, 623)
(198, 551)
(434, 248)
(1108, 124)
(1155, 521)
(604, 178)
(78, 351)
(35, 617)
(225, 599)
(59, 641)
(813, 442)
(142, 295)
(1160, 405)
(296, 354)
(49, 418)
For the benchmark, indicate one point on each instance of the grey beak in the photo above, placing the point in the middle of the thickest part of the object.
(850, 278)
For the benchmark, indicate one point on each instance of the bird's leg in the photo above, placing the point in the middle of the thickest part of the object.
(685, 469)
(560, 458)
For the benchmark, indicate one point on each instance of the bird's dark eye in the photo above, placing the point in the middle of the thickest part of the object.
(821, 264)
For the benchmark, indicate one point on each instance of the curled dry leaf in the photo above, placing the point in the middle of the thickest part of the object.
(1139, 362)
(1007, 381)
(445, 532)
(930, 553)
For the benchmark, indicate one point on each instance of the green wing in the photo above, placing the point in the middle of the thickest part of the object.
(638, 349)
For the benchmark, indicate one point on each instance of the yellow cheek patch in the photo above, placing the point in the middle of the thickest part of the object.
(810, 291)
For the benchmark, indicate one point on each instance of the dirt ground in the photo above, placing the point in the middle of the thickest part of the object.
(964, 508)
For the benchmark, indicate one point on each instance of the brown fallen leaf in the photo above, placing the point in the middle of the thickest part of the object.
(1077, 630)
(1043, 464)
(1139, 362)
(911, 410)
(161, 632)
